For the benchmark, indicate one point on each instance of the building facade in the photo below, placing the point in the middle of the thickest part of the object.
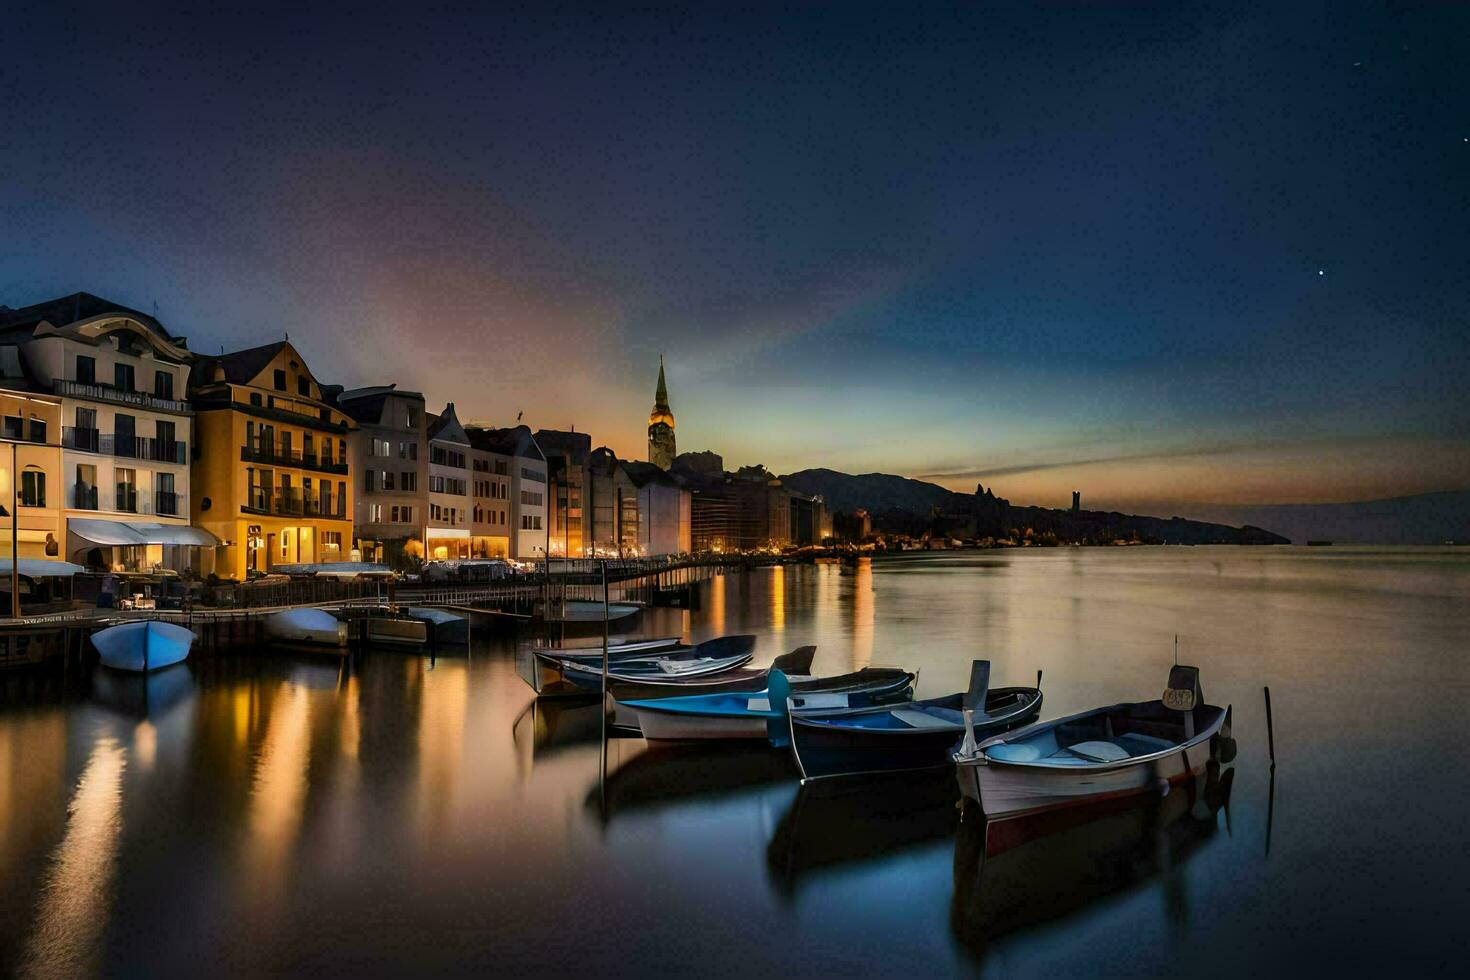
(124, 427)
(447, 533)
(31, 490)
(613, 503)
(665, 511)
(520, 480)
(390, 460)
(661, 450)
(567, 457)
(273, 479)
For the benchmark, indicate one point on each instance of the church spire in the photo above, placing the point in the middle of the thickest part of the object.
(661, 424)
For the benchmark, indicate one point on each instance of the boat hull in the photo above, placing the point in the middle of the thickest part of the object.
(667, 726)
(446, 627)
(313, 627)
(1005, 792)
(143, 646)
(828, 751)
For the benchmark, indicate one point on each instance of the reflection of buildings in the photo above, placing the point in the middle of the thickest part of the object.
(273, 480)
(390, 457)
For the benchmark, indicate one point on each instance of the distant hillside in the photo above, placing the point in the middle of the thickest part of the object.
(875, 492)
(1428, 518)
(901, 505)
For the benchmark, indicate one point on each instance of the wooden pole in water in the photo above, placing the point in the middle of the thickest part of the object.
(1270, 729)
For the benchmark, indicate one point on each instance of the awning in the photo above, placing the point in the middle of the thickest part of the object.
(40, 568)
(112, 534)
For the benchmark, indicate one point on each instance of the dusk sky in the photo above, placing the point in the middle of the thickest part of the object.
(1162, 254)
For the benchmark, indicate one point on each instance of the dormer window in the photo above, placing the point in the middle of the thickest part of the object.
(303, 386)
(279, 380)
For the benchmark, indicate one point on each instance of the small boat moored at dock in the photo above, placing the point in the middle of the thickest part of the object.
(1098, 754)
(315, 627)
(916, 735)
(447, 627)
(143, 646)
(756, 714)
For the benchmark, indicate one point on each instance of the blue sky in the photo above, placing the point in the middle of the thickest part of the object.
(1168, 254)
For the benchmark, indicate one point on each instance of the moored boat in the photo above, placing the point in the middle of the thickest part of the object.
(315, 627)
(757, 714)
(1114, 751)
(446, 627)
(916, 735)
(143, 646)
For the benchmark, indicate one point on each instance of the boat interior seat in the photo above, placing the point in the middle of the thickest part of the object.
(1137, 744)
(1099, 751)
(928, 717)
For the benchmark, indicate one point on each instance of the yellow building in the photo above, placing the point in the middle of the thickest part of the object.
(273, 477)
(31, 430)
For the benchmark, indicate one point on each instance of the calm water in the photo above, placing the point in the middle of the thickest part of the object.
(270, 814)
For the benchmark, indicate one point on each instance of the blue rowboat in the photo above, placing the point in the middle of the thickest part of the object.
(912, 736)
(754, 714)
(316, 627)
(143, 646)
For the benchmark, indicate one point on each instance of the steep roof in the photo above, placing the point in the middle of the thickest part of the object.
(445, 427)
(366, 404)
(642, 474)
(242, 366)
(513, 441)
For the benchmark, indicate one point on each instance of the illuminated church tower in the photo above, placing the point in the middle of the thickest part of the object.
(661, 425)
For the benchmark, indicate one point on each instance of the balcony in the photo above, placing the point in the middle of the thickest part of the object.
(295, 458)
(126, 499)
(166, 503)
(126, 447)
(324, 508)
(87, 440)
(119, 396)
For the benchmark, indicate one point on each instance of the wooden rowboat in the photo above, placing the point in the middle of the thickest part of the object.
(1115, 751)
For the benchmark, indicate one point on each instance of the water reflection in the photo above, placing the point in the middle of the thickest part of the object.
(278, 790)
(681, 773)
(74, 902)
(1021, 873)
(854, 821)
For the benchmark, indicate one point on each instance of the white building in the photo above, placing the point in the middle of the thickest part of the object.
(447, 533)
(122, 380)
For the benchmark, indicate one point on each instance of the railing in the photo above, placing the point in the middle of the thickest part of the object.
(273, 456)
(119, 396)
(166, 502)
(87, 440)
(126, 499)
(126, 447)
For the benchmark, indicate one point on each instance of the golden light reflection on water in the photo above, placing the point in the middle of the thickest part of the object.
(350, 728)
(32, 784)
(717, 606)
(862, 616)
(74, 901)
(778, 600)
(278, 790)
(145, 744)
(242, 703)
(441, 736)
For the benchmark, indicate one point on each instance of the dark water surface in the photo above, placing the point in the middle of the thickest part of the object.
(266, 814)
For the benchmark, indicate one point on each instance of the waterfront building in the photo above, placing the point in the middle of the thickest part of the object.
(567, 465)
(273, 479)
(661, 450)
(665, 511)
(390, 458)
(808, 519)
(516, 480)
(123, 425)
(447, 533)
(613, 503)
(31, 494)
